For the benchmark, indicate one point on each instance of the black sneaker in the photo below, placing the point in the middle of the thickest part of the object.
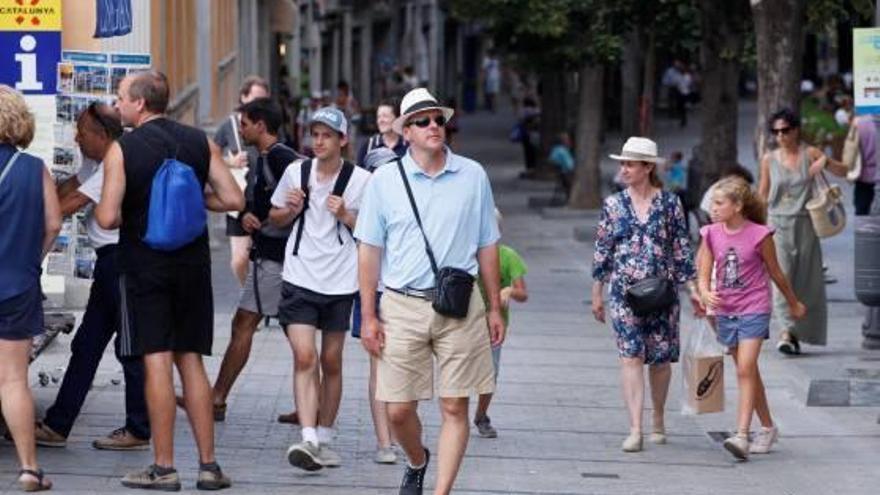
(414, 479)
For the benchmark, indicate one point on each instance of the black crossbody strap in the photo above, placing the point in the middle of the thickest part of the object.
(415, 209)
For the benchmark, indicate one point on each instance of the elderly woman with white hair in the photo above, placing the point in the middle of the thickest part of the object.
(32, 220)
(643, 250)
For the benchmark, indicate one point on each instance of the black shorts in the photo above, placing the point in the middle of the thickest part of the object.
(21, 316)
(234, 228)
(301, 306)
(167, 309)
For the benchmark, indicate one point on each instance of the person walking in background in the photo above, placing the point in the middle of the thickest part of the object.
(98, 127)
(386, 112)
(32, 220)
(380, 149)
(241, 158)
(438, 186)
(302, 123)
(863, 186)
(739, 250)
(322, 195)
(562, 158)
(530, 138)
(491, 79)
(167, 299)
(261, 292)
(512, 270)
(642, 235)
(786, 184)
(675, 181)
(349, 106)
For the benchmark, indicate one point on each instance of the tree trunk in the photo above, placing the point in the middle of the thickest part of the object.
(722, 45)
(630, 77)
(646, 104)
(779, 33)
(586, 189)
(553, 121)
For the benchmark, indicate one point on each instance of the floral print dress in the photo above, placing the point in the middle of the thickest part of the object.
(627, 251)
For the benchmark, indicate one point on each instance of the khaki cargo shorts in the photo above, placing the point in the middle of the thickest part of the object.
(414, 333)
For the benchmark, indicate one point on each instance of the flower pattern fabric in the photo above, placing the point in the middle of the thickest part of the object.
(628, 251)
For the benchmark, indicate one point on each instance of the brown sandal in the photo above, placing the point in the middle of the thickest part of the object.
(29, 485)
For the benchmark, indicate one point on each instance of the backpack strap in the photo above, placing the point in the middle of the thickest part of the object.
(338, 190)
(305, 172)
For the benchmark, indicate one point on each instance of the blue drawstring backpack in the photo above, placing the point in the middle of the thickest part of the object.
(177, 215)
(177, 207)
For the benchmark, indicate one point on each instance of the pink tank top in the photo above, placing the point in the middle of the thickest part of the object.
(742, 280)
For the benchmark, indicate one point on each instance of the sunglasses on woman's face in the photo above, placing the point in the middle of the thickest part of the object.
(781, 130)
(423, 122)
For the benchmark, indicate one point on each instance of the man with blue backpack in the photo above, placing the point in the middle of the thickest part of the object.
(158, 180)
(260, 124)
(319, 198)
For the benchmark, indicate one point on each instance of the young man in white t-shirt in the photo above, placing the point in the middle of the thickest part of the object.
(320, 280)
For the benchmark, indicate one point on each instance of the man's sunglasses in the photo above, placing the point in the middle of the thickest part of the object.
(781, 130)
(423, 122)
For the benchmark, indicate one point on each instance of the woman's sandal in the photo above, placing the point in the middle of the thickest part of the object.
(30, 485)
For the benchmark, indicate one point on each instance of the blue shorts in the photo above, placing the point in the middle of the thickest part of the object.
(21, 316)
(733, 328)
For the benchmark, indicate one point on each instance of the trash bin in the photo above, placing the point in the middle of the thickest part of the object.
(867, 276)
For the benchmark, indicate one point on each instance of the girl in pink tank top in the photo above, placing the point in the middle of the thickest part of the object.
(740, 250)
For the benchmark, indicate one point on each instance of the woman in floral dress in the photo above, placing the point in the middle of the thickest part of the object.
(642, 234)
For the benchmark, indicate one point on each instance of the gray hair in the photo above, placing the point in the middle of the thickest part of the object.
(152, 87)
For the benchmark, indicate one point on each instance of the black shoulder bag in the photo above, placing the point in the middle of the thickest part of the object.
(651, 295)
(452, 294)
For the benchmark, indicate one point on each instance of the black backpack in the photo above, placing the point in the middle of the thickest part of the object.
(338, 188)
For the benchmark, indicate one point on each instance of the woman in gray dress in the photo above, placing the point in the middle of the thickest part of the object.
(786, 184)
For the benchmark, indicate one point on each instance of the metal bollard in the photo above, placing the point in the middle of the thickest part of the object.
(867, 277)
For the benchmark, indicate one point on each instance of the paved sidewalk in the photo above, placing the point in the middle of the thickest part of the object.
(558, 409)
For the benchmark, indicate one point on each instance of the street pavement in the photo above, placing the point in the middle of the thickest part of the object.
(558, 408)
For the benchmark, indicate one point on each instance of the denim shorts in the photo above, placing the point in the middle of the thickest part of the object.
(733, 328)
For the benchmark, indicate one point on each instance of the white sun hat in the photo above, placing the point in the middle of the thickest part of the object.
(418, 100)
(639, 149)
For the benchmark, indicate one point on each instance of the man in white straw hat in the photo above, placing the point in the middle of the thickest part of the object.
(431, 209)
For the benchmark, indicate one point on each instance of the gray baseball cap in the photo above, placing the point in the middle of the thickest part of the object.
(331, 117)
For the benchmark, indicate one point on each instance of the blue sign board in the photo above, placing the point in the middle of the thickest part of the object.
(29, 60)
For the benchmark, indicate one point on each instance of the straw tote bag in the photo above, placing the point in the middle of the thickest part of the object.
(826, 208)
(852, 156)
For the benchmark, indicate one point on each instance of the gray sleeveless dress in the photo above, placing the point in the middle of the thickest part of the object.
(797, 248)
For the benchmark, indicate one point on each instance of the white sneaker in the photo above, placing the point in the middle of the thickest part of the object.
(632, 443)
(329, 458)
(738, 446)
(385, 455)
(764, 441)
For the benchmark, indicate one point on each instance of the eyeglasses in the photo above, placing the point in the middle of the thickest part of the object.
(781, 130)
(440, 120)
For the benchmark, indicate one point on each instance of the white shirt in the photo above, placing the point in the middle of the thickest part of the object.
(323, 265)
(91, 179)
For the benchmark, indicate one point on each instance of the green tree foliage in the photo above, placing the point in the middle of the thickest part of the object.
(823, 15)
(551, 33)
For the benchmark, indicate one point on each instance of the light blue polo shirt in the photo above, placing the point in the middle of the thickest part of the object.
(457, 211)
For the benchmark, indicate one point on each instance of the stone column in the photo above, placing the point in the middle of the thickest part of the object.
(365, 83)
(346, 47)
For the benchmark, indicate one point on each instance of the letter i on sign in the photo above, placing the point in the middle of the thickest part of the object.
(28, 61)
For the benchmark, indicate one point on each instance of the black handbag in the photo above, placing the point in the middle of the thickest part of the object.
(650, 296)
(452, 294)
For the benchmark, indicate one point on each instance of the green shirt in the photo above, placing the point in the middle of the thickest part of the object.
(512, 267)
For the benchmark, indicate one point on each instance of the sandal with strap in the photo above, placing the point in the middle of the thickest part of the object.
(30, 485)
